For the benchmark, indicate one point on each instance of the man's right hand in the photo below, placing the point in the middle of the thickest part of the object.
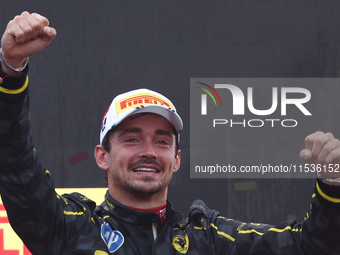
(25, 35)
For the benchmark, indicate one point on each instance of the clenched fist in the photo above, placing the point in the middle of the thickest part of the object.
(25, 35)
(322, 150)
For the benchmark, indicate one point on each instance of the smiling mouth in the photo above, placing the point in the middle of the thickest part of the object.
(145, 166)
(144, 169)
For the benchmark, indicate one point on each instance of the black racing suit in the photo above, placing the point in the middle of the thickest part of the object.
(51, 224)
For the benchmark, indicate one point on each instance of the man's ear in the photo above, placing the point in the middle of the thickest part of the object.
(101, 157)
(177, 163)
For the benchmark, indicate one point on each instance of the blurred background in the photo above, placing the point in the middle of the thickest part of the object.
(107, 47)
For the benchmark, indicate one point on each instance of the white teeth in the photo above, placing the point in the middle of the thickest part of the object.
(144, 169)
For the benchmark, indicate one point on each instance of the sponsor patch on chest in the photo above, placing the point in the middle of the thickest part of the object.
(112, 238)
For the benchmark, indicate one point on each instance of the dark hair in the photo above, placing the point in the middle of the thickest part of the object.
(107, 144)
(106, 141)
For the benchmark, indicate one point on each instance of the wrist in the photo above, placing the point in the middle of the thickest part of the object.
(14, 65)
(329, 180)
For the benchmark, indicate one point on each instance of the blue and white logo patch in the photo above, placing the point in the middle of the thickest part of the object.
(112, 238)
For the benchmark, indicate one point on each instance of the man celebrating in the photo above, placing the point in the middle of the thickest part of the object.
(139, 151)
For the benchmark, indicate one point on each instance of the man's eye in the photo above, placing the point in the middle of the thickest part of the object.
(163, 142)
(131, 140)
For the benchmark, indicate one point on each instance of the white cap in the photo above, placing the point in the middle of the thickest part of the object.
(139, 101)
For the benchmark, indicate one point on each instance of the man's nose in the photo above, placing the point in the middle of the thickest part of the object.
(148, 150)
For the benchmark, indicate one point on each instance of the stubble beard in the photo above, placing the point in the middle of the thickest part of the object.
(144, 190)
(145, 187)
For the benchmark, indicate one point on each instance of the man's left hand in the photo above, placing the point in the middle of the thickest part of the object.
(322, 150)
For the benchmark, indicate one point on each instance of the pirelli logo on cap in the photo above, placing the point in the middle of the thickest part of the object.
(141, 100)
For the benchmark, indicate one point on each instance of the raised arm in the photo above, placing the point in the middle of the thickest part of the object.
(45, 221)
